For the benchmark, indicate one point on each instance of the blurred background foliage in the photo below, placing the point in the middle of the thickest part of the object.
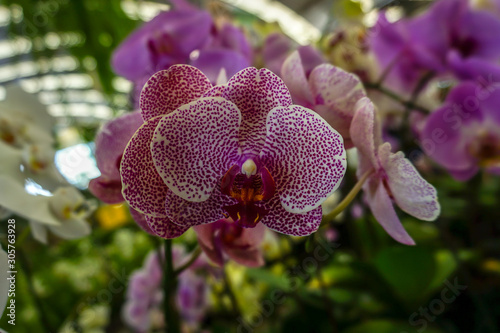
(60, 49)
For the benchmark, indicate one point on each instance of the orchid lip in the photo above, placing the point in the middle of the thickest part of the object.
(248, 184)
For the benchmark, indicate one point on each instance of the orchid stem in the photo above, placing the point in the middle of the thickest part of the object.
(391, 94)
(194, 255)
(229, 290)
(350, 196)
(169, 289)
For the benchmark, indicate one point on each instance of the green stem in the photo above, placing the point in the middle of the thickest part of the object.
(229, 290)
(350, 196)
(391, 94)
(169, 290)
(194, 255)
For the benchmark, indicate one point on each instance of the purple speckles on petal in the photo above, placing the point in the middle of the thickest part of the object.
(255, 92)
(278, 219)
(195, 145)
(305, 156)
(169, 89)
(187, 213)
(412, 193)
(164, 228)
(143, 188)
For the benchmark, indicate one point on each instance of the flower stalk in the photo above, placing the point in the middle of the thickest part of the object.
(169, 289)
(351, 195)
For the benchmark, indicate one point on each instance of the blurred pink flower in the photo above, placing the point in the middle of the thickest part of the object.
(464, 134)
(110, 143)
(392, 177)
(224, 238)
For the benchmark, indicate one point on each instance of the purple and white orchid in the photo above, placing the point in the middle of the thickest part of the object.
(389, 177)
(238, 150)
(328, 90)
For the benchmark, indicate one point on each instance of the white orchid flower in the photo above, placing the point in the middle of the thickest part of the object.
(28, 159)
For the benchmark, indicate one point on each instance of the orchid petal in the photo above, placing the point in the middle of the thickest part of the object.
(140, 219)
(412, 193)
(250, 257)
(167, 90)
(164, 228)
(109, 192)
(255, 92)
(143, 187)
(339, 91)
(71, 229)
(305, 156)
(280, 220)
(194, 146)
(111, 141)
(381, 206)
(294, 76)
(39, 231)
(210, 62)
(362, 130)
(188, 213)
(206, 234)
(14, 197)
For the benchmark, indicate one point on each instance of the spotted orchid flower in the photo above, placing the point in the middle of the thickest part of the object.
(464, 134)
(239, 150)
(328, 90)
(224, 238)
(390, 177)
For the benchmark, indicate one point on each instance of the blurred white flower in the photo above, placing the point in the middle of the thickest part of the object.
(31, 186)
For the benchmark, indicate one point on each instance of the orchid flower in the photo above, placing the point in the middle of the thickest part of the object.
(182, 35)
(432, 41)
(226, 238)
(239, 150)
(110, 142)
(28, 160)
(109, 145)
(389, 177)
(464, 134)
(328, 90)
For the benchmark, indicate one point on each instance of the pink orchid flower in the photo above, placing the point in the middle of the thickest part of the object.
(391, 177)
(328, 90)
(110, 143)
(238, 150)
(226, 238)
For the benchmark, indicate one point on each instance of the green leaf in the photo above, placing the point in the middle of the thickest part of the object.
(408, 270)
